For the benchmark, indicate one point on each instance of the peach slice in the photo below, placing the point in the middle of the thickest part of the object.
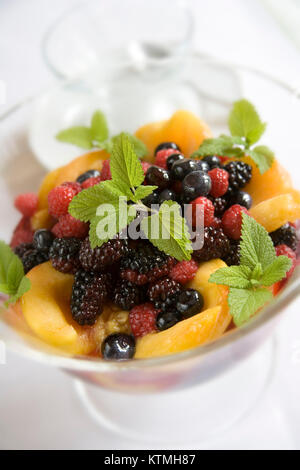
(42, 219)
(272, 183)
(46, 310)
(207, 326)
(277, 211)
(183, 128)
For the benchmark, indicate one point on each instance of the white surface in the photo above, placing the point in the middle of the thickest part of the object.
(38, 406)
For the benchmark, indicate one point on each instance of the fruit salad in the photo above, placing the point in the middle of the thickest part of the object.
(94, 269)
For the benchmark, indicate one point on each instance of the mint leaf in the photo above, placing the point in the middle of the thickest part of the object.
(276, 271)
(126, 169)
(143, 191)
(168, 231)
(12, 278)
(263, 157)
(234, 276)
(256, 245)
(244, 121)
(140, 148)
(223, 145)
(99, 128)
(244, 303)
(110, 220)
(79, 135)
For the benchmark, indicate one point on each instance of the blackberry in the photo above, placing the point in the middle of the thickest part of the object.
(163, 292)
(89, 293)
(285, 235)
(118, 347)
(145, 264)
(216, 245)
(101, 257)
(168, 304)
(32, 258)
(127, 295)
(240, 174)
(233, 255)
(21, 249)
(220, 205)
(64, 255)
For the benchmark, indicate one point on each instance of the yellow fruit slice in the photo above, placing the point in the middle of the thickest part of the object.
(46, 310)
(42, 219)
(277, 211)
(272, 183)
(183, 128)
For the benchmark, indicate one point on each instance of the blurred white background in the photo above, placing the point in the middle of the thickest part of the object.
(38, 407)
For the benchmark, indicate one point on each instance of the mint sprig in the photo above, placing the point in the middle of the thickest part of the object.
(13, 281)
(259, 268)
(246, 128)
(105, 206)
(97, 136)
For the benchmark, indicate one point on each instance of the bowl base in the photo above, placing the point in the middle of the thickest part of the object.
(194, 415)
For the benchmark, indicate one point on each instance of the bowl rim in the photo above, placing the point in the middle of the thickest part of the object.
(276, 306)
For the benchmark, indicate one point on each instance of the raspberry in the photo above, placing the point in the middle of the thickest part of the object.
(101, 257)
(90, 182)
(89, 293)
(207, 209)
(216, 245)
(145, 264)
(184, 271)
(162, 157)
(145, 166)
(142, 319)
(162, 290)
(60, 197)
(23, 233)
(64, 255)
(232, 221)
(32, 258)
(27, 204)
(284, 250)
(105, 172)
(219, 182)
(233, 255)
(285, 235)
(126, 295)
(220, 205)
(239, 175)
(67, 227)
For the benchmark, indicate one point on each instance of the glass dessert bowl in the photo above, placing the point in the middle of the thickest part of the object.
(195, 366)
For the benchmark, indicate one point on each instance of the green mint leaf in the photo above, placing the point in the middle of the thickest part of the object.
(256, 245)
(263, 157)
(244, 303)
(244, 121)
(168, 231)
(79, 135)
(110, 220)
(126, 169)
(276, 271)
(234, 276)
(143, 191)
(84, 206)
(139, 146)
(12, 278)
(99, 127)
(223, 145)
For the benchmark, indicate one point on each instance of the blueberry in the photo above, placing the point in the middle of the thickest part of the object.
(174, 158)
(118, 347)
(182, 168)
(213, 161)
(243, 199)
(158, 177)
(152, 199)
(166, 320)
(203, 166)
(167, 195)
(196, 184)
(166, 145)
(190, 302)
(43, 240)
(87, 175)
